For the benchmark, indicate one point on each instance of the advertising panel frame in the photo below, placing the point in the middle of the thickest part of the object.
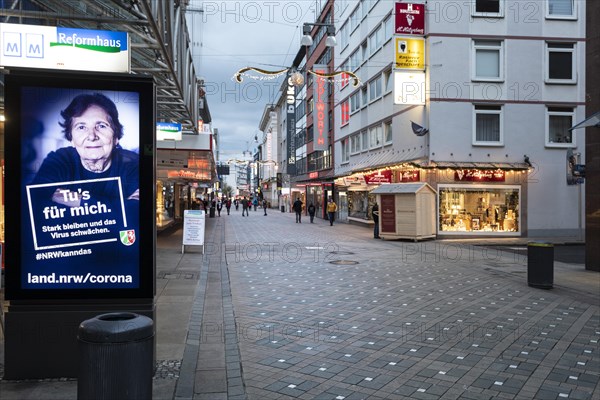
(19, 84)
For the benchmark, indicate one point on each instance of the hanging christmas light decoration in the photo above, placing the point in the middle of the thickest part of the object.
(296, 77)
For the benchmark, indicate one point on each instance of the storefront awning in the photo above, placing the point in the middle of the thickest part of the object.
(472, 165)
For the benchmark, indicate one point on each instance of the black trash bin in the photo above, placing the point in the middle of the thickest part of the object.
(116, 359)
(211, 212)
(282, 209)
(540, 265)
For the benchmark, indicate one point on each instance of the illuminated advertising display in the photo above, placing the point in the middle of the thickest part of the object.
(409, 87)
(410, 19)
(321, 110)
(409, 53)
(80, 220)
(55, 47)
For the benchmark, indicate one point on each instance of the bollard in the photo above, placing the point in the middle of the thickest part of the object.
(115, 357)
(540, 265)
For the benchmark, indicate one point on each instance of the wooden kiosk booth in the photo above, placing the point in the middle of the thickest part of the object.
(406, 211)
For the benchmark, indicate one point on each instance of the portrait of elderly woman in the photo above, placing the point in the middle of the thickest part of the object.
(91, 124)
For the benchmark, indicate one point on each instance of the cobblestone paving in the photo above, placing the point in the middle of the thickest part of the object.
(395, 320)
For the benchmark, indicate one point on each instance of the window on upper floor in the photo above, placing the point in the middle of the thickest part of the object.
(488, 8)
(388, 81)
(355, 60)
(376, 40)
(345, 108)
(364, 139)
(344, 35)
(487, 125)
(558, 122)
(355, 102)
(387, 132)
(355, 144)
(560, 62)
(388, 29)
(375, 89)
(376, 136)
(488, 60)
(561, 9)
(345, 150)
(354, 19)
(364, 97)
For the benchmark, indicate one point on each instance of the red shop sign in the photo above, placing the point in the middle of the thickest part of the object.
(409, 176)
(378, 177)
(479, 175)
(410, 19)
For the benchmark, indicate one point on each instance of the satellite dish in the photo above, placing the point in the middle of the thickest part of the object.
(418, 129)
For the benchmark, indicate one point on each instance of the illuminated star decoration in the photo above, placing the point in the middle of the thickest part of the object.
(274, 74)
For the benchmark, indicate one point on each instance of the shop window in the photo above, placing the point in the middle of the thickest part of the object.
(487, 130)
(558, 122)
(488, 8)
(479, 209)
(488, 60)
(563, 9)
(560, 61)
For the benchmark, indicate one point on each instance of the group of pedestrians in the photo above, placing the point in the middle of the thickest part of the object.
(298, 207)
(247, 204)
(331, 210)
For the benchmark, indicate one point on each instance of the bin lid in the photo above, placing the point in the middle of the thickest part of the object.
(118, 327)
(540, 244)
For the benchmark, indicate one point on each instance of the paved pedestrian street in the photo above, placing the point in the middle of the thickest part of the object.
(327, 312)
(278, 310)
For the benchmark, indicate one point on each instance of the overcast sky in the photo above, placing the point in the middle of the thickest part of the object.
(230, 35)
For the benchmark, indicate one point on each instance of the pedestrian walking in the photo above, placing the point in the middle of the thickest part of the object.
(311, 212)
(228, 205)
(255, 203)
(219, 207)
(264, 206)
(245, 205)
(331, 209)
(237, 204)
(375, 213)
(298, 209)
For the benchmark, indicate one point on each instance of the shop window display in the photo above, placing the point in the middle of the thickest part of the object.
(359, 204)
(479, 210)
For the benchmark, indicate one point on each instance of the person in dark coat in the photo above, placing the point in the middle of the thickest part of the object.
(298, 209)
(375, 213)
(311, 211)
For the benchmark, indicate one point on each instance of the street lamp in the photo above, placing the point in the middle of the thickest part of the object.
(307, 38)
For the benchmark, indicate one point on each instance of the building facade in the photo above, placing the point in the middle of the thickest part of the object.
(475, 99)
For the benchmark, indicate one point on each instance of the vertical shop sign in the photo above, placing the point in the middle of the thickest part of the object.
(321, 109)
(290, 104)
(388, 213)
(410, 19)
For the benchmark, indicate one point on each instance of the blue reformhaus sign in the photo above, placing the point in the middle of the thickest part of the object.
(36, 46)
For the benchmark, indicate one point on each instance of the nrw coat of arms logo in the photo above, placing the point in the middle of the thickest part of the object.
(127, 237)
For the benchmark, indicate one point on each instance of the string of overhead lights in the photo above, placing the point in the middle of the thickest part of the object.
(270, 75)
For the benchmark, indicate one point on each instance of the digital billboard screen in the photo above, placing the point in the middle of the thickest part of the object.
(80, 173)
